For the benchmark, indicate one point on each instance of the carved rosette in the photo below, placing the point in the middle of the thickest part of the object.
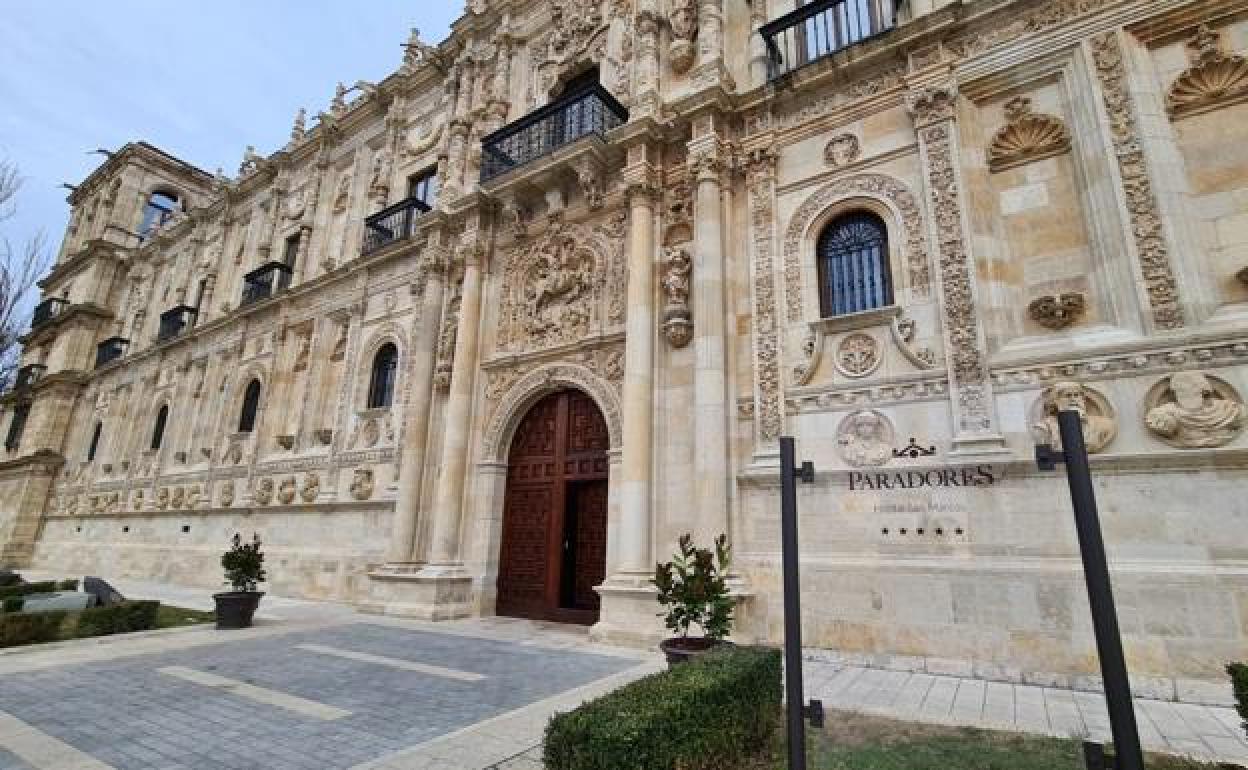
(858, 355)
(1215, 78)
(760, 183)
(842, 150)
(1142, 207)
(677, 320)
(1026, 137)
(1056, 311)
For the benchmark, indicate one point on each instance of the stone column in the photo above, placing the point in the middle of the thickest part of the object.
(932, 103)
(635, 484)
(449, 500)
(416, 434)
(710, 417)
(758, 47)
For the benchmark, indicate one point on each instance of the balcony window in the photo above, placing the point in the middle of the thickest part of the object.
(265, 281)
(587, 110)
(392, 224)
(47, 310)
(424, 187)
(17, 424)
(174, 321)
(821, 28)
(160, 206)
(110, 350)
(28, 375)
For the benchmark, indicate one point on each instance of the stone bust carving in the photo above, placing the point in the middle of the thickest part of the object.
(1099, 425)
(1190, 413)
(865, 439)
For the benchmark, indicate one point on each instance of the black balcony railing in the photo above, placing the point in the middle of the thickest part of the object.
(47, 310)
(265, 281)
(393, 223)
(110, 350)
(822, 28)
(590, 111)
(28, 375)
(174, 321)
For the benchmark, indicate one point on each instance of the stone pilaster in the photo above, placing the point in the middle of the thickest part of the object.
(933, 106)
(768, 395)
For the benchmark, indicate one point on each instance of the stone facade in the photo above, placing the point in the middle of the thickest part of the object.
(1064, 185)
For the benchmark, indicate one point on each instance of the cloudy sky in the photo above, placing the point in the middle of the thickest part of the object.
(200, 80)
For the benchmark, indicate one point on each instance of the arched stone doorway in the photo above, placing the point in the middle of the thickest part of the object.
(554, 539)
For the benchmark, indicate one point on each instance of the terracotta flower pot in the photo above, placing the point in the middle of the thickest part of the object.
(682, 649)
(235, 609)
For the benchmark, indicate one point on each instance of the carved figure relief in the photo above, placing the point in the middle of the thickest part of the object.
(677, 320)
(842, 150)
(361, 483)
(865, 439)
(1100, 423)
(342, 194)
(192, 496)
(1214, 79)
(1026, 137)
(162, 498)
(311, 487)
(858, 355)
(262, 493)
(226, 497)
(286, 491)
(446, 343)
(1056, 312)
(178, 498)
(682, 17)
(1193, 410)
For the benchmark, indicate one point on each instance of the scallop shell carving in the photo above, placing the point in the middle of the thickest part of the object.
(1213, 78)
(1027, 137)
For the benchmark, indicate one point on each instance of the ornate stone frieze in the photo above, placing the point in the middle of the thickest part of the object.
(605, 361)
(1194, 410)
(1214, 79)
(677, 320)
(1026, 137)
(932, 104)
(446, 341)
(841, 150)
(1142, 208)
(1015, 23)
(1161, 361)
(865, 439)
(1056, 311)
(760, 166)
(892, 191)
(1100, 422)
(310, 488)
(805, 110)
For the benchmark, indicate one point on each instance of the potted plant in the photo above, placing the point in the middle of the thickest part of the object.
(693, 589)
(244, 569)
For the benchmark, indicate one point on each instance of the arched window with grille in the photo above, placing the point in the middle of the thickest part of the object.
(95, 442)
(158, 430)
(251, 404)
(853, 265)
(381, 384)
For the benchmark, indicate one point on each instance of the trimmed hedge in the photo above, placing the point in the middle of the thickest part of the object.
(9, 579)
(701, 715)
(117, 618)
(17, 629)
(42, 587)
(12, 604)
(67, 585)
(1239, 683)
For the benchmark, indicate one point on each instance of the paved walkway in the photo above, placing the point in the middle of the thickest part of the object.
(317, 685)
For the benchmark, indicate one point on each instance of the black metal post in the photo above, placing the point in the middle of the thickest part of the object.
(1100, 594)
(796, 699)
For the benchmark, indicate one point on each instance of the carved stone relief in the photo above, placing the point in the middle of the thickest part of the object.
(262, 493)
(361, 483)
(1214, 79)
(226, 497)
(857, 355)
(311, 487)
(1056, 311)
(682, 17)
(1100, 422)
(1142, 207)
(1026, 137)
(677, 320)
(286, 491)
(865, 438)
(760, 183)
(841, 150)
(1192, 410)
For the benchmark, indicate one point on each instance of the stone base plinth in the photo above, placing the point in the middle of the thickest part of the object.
(630, 613)
(418, 591)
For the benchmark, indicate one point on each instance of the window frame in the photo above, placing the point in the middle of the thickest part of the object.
(382, 383)
(158, 427)
(250, 408)
(873, 287)
(423, 186)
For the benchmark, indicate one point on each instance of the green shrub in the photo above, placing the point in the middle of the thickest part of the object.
(706, 714)
(16, 629)
(9, 579)
(1239, 683)
(44, 587)
(12, 604)
(67, 585)
(117, 618)
(244, 563)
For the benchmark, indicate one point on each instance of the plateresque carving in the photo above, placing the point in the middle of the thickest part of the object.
(1192, 410)
(683, 20)
(841, 150)
(1056, 311)
(865, 439)
(858, 355)
(1026, 137)
(1100, 423)
(311, 487)
(677, 320)
(361, 483)
(1215, 78)
(262, 493)
(286, 491)
(760, 180)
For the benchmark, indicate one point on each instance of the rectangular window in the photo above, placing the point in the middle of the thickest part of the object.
(424, 186)
(292, 250)
(16, 425)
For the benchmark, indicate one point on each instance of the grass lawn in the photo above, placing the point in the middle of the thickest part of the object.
(172, 617)
(860, 742)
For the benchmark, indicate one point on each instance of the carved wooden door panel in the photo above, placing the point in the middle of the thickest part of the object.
(555, 512)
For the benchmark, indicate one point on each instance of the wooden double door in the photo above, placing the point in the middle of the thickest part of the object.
(554, 548)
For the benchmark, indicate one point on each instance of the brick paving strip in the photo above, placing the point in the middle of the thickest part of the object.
(309, 708)
(41, 750)
(380, 660)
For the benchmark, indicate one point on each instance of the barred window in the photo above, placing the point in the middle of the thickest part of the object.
(853, 265)
(381, 385)
(251, 404)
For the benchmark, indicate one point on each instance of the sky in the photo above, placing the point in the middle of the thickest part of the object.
(200, 79)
